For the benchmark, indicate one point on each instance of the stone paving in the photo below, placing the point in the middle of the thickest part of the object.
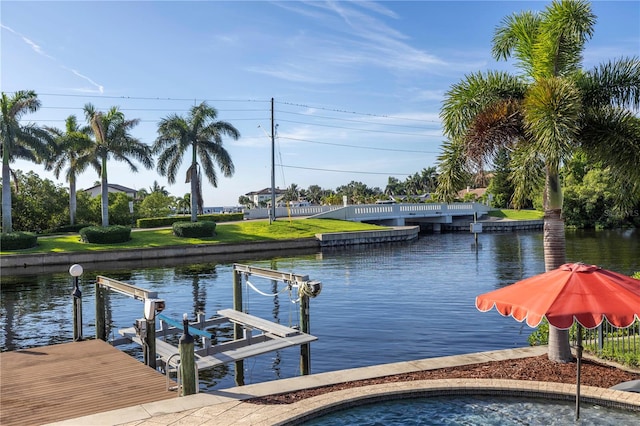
(228, 406)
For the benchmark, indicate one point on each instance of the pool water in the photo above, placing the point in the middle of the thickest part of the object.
(475, 410)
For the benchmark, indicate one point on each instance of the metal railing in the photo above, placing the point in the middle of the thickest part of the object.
(610, 342)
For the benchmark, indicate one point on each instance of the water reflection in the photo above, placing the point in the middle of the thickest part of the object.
(379, 303)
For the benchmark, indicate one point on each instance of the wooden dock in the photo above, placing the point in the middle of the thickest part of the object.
(59, 382)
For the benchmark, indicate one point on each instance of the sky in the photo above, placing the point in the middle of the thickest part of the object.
(357, 86)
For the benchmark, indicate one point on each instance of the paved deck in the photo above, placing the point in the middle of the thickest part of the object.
(228, 406)
(70, 380)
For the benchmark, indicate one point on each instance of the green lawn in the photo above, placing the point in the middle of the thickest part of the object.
(517, 214)
(235, 232)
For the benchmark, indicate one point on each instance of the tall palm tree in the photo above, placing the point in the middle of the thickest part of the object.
(27, 142)
(201, 133)
(113, 140)
(543, 116)
(70, 145)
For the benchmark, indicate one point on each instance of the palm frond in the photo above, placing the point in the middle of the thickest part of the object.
(614, 83)
(465, 100)
(515, 36)
(453, 170)
(565, 27)
(552, 110)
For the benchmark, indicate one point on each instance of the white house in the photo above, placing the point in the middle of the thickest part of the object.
(95, 191)
(257, 197)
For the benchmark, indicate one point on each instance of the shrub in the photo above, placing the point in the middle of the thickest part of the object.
(202, 229)
(67, 228)
(18, 240)
(158, 222)
(105, 234)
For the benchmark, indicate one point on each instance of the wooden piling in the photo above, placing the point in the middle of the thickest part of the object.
(151, 344)
(101, 328)
(305, 349)
(77, 312)
(187, 360)
(238, 331)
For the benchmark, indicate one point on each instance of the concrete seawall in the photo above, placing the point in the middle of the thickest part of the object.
(499, 225)
(34, 263)
(402, 233)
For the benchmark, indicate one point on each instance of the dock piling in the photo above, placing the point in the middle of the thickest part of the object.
(187, 360)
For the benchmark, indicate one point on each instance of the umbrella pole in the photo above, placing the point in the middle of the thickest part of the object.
(578, 365)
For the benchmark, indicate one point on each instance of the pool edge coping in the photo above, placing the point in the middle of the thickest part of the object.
(320, 405)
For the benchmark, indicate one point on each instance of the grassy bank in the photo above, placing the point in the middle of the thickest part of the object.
(235, 232)
(517, 214)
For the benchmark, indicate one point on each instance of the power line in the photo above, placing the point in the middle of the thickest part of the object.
(352, 128)
(359, 147)
(350, 112)
(343, 171)
(360, 121)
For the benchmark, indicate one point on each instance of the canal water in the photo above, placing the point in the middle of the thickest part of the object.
(379, 303)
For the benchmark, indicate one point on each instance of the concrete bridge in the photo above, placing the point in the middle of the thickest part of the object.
(401, 214)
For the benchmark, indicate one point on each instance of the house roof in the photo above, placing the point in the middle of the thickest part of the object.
(266, 191)
(114, 186)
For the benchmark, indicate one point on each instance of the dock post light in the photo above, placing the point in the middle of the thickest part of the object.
(76, 271)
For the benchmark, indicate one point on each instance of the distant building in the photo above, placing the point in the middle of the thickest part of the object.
(264, 195)
(95, 191)
(476, 192)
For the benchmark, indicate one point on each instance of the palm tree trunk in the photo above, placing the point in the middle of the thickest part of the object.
(554, 256)
(72, 200)
(104, 186)
(194, 194)
(6, 192)
(194, 184)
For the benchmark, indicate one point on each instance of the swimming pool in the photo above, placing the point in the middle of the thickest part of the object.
(474, 410)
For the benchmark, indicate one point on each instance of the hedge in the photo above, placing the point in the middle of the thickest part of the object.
(17, 240)
(105, 234)
(161, 222)
(203, 229)
(67, 228)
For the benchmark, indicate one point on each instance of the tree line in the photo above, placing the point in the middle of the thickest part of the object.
(106, 136)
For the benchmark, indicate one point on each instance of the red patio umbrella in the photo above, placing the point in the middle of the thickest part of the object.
(586, 294)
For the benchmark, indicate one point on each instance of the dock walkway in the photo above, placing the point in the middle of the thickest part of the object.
(70, 380)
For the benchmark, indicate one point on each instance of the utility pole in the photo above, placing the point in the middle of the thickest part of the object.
(272, 216)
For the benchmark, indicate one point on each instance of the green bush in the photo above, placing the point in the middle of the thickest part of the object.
(18, 240)
(159, 222)
(105, 234)
(202, 229)
(67, 228)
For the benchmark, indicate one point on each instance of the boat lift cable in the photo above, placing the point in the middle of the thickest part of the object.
(254, 288)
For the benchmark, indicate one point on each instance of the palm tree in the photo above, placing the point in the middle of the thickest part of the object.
(314, 194)
(69, 146)
(201, 133)
(156, 187)
(113, 140)
(184, 203)
(543, 116)
(429, 179)
(292, 193)
(27, 142)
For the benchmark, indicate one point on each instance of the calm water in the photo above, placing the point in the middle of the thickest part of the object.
(379, 304)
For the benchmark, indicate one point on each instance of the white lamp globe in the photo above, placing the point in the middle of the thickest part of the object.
(76, 270)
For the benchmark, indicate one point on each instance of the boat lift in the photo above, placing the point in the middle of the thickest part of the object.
(270, 336)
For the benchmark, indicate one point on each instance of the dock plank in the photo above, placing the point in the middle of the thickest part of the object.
(59, 382)
(259, 323)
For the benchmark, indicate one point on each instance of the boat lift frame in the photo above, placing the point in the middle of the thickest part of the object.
(273, 336)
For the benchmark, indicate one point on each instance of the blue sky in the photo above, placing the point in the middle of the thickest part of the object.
(357, 86)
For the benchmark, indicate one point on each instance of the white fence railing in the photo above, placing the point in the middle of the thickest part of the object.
(361, 212)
